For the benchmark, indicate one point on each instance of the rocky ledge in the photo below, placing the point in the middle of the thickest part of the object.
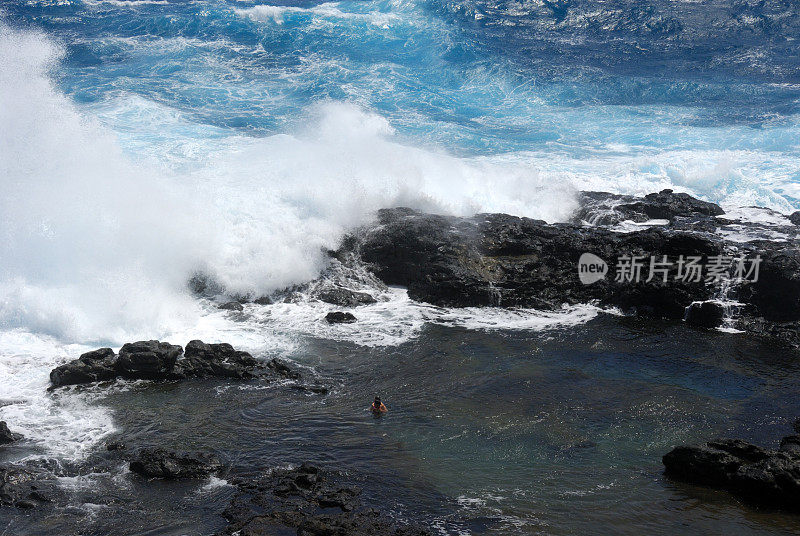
(156, 360)
(160, 463)
(307, 501)
(508, 261)
(758, 475)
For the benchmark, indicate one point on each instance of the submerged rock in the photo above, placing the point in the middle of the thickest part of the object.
(6, 435)
(760, 475)
(339, 317)
(160, 463)
(231, 306)
(299, 501)
(708, 314)
(26, 488)
(281, 368)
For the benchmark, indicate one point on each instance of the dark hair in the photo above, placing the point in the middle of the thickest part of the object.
(377, 399)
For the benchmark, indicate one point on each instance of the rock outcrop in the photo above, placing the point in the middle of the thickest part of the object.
(26, 488)
(707, 314)
(160, 463)
(501, 260)
(344, 297)
(6, 435)
(155, 360)
(339, 317)
(769, 477)
(299, 501)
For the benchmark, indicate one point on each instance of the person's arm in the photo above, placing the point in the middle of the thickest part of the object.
(383, 408)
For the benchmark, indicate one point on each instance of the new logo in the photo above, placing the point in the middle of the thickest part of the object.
(591, 268)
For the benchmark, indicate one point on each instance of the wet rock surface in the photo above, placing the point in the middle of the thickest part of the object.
(161, 463)
(759, 475)
(345, 297)
(339, 317)
(307, 501)
(708, 314)
(6, 435)
(26, 488)
(156, 360)
(506, 261)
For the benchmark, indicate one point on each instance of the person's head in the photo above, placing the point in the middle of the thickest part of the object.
(377, 401)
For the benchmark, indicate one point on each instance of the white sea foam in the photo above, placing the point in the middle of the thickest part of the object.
(327, 10)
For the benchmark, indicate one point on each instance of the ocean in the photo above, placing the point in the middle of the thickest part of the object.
(145, 141)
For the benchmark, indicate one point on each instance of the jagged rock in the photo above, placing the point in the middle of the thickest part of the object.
(6, 435)
(203, 285)
(215, 360)
(281, 368)
(754, 473)
(666, 205)
(25, 488)
(338, 317)
(149, 360)
(603, 208)
(795, 218)
(298, 501)
(231, 306)
(155, 360)
(160, 463)
(776, 294)
(345, 297)
(501, 260)
(94, 366)
(708, 314)
(263, 300)
(791, 444)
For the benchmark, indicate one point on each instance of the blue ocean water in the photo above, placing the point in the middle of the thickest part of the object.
(143, 140)
(701, 94)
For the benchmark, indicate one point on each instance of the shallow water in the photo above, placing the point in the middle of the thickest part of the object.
(503, 432)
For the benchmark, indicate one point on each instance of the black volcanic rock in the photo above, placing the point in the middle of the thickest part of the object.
(776, 294)
(6, 435)
(759, 475)
(160, 463)
(666, 205)
(299, 501)
(603, 208)
(338, 317)
(94, 366)
(345, 297)
(281, 368)
(149, 360)
(231, 306)
(203, 360)
(501, 260)
(26, 487)
(708, 314)
(155, 360)
(795, 217)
